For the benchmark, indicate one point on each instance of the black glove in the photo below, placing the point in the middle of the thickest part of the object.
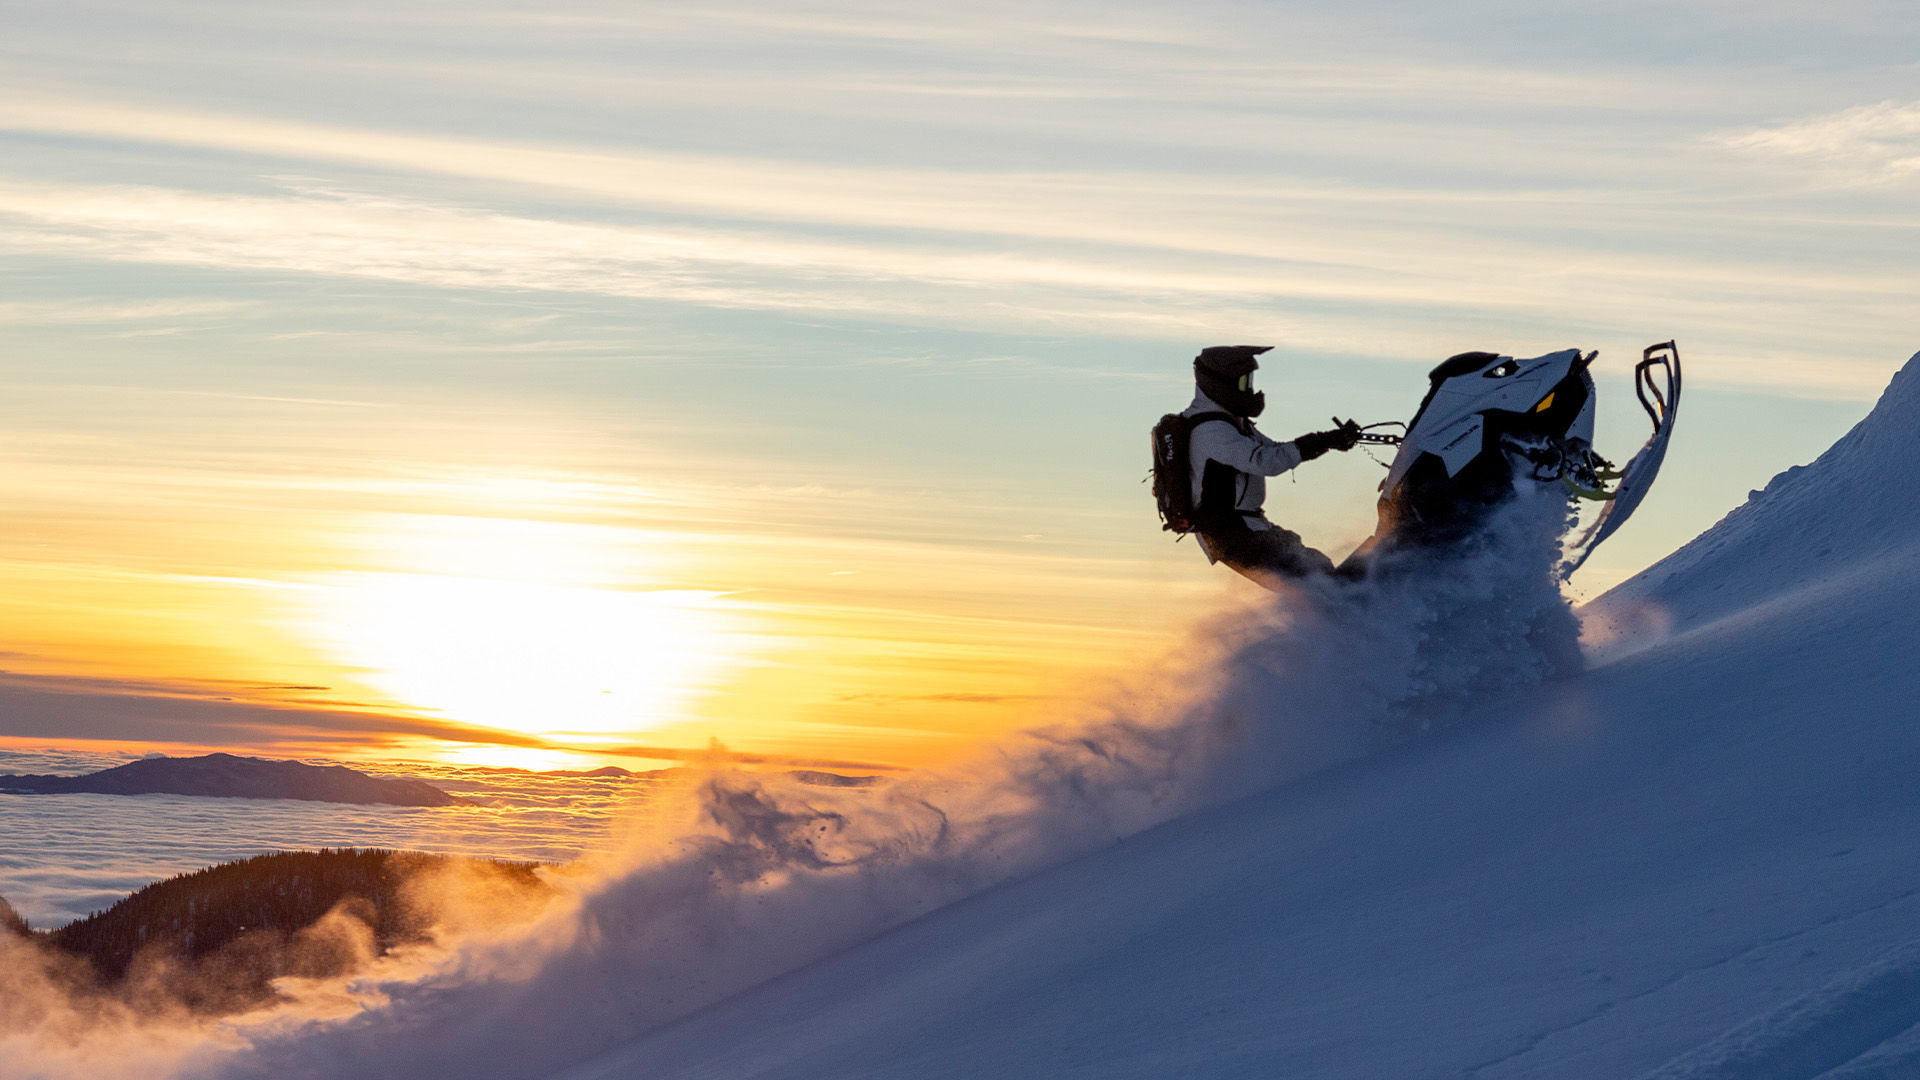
(1313, 444)
(1349, 431)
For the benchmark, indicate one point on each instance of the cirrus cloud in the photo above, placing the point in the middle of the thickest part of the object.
(1880, 140)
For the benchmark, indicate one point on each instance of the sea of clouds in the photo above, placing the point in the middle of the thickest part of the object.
(67, 856)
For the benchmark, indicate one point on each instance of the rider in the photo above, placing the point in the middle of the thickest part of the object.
(1231, 461)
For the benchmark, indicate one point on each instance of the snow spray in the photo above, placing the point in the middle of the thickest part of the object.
(738, 877)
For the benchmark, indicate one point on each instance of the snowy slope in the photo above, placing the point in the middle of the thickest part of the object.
(1700, 859)
(1854, 509)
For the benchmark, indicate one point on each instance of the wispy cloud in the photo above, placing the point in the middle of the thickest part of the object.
(120, 710)
(81, 311)
(1377, 268)
(1319, 276)
(1079, 206)
(1880, 141)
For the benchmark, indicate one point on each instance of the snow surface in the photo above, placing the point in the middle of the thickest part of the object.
(1698, 859)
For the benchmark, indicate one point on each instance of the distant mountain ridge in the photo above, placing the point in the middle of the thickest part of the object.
(233, 777)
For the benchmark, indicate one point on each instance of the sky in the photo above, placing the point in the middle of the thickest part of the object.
(533, 384)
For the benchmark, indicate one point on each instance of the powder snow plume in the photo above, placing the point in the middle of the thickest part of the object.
(741, 876)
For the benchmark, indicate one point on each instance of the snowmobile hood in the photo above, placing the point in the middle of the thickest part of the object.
(1450, 422)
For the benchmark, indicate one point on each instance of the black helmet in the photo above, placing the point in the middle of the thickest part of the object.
(1225, 374)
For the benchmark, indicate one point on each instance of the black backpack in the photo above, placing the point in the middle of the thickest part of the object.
(1173, 468)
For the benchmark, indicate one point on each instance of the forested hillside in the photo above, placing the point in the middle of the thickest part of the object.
(215, 939)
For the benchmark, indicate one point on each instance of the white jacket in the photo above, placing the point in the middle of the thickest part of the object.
(1255, 457)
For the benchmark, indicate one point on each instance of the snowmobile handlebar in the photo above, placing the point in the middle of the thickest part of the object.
(1378, 438)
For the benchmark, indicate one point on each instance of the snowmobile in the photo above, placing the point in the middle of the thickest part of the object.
(1491, 422)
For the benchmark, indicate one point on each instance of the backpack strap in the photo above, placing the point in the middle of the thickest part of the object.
(1213, 503)
(1197, 419)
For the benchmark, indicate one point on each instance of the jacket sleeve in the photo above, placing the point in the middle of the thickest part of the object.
(1220, 441)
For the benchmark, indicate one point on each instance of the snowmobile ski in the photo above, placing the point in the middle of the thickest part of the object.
(1657, 383)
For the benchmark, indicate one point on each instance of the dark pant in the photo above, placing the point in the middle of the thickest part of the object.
(1263, 554)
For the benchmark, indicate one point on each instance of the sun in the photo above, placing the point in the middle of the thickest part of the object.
(528, 627)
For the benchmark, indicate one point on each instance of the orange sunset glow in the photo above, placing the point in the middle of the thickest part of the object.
(533, 613)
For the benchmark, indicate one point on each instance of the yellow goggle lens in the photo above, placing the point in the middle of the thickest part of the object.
(1545, 403)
